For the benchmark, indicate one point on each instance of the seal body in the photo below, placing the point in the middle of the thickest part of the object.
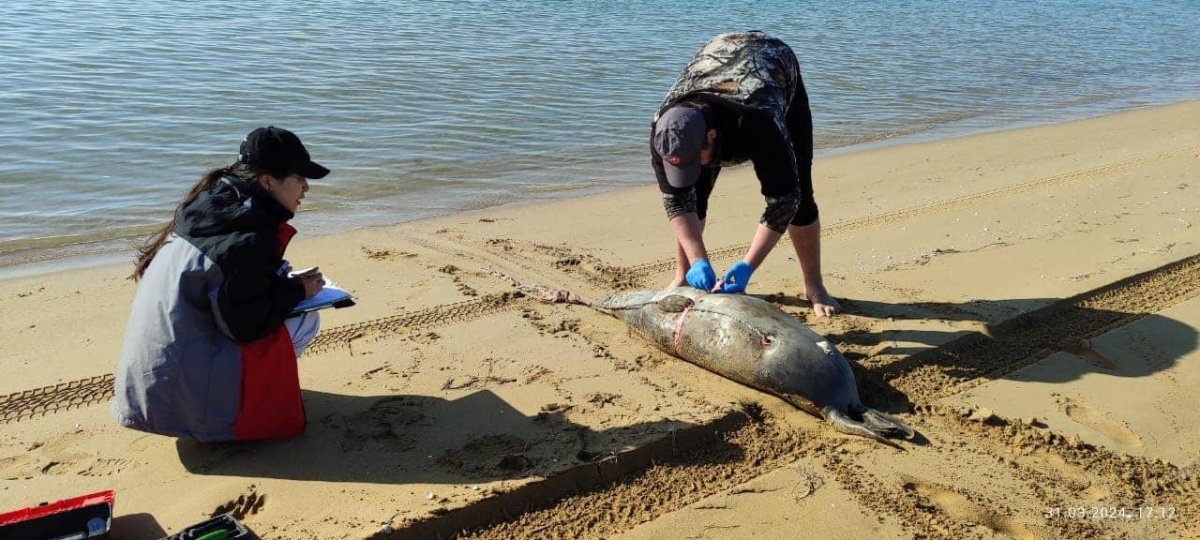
(753, 342)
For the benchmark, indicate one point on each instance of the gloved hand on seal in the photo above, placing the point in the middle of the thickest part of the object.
(737, 277)
(701, 275)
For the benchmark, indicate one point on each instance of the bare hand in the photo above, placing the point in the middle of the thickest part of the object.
(312, 280)
(302, 273)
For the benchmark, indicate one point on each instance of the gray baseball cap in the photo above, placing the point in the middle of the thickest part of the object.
(680, 132)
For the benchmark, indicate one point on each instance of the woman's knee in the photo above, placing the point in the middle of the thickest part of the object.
(303, 328)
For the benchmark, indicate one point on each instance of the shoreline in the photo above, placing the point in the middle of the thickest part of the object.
(1028, 301)
(33, 262)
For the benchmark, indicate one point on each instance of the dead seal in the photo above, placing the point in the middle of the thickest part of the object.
(750, 341)
(753, 342)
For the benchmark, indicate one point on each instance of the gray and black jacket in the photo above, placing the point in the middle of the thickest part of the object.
(206, 355)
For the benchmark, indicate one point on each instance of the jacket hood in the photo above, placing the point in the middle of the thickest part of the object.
(231, 206)
(742, 71)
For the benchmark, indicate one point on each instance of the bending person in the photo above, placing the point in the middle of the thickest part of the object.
(740, 99)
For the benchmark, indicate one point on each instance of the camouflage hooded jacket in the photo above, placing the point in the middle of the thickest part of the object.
(745, 72)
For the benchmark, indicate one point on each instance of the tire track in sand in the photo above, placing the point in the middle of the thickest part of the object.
(668, 484)
(1137, 481)
(922, 507)
(340, 337)
(583, 267)
(1067, 325)
(844, 228)
(508, 254)
(92, 390)
(97, 389)
(56, 398)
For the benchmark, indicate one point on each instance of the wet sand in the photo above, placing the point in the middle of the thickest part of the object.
(1025, 299)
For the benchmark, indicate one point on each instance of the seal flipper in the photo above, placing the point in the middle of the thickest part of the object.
(843, 423)
(885, 424)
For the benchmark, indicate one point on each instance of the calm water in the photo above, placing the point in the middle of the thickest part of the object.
(112, 109)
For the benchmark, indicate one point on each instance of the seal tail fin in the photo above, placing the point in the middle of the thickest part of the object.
(843, 423)
(886, 424)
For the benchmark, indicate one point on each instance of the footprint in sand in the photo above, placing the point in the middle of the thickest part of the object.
(246, 504)
(541, 374)
(392, 424)
(489, 456)
(62, 444)
(142, 444)
(1083, 414)
(204, 457)
(384, 254)
(959, 508)
(61, 455)
(15, 467)
(107, 467)
(1075, 477)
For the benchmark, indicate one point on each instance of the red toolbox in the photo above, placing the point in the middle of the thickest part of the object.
(86, 516)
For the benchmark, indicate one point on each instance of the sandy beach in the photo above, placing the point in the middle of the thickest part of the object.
(1028, 300)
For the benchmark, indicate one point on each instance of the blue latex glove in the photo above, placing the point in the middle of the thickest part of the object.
(737, 277)
(701, 275)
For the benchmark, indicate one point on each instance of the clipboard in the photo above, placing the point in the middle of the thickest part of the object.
(330, 296)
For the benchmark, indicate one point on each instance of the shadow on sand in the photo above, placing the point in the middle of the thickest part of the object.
(1033, 329)
(403, 439)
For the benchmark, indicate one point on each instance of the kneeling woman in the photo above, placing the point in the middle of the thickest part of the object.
(209, 351)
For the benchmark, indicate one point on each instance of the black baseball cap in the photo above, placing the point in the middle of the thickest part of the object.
(279, 152)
